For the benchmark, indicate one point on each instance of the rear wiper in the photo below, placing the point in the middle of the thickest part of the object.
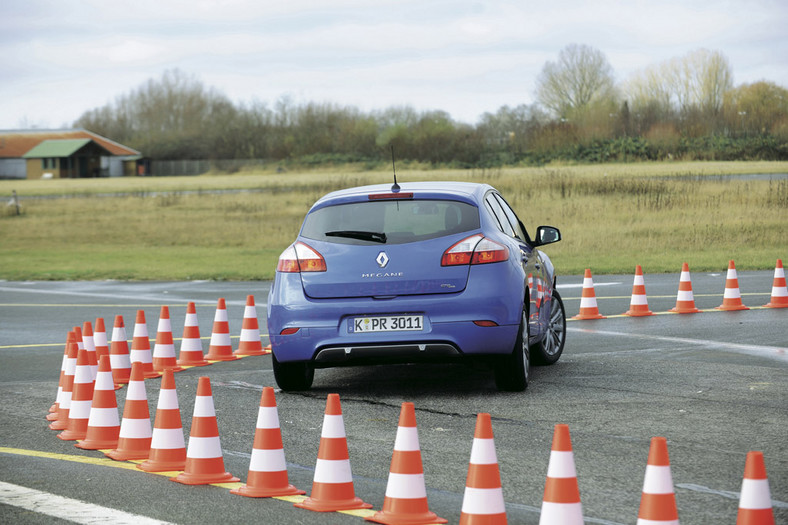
(360, 235)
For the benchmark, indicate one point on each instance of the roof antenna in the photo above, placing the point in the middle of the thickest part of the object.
(395, 188)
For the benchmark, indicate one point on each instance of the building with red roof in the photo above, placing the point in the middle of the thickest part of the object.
(67, 153)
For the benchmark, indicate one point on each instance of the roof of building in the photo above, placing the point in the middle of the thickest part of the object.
(16, 143)
(59, 148)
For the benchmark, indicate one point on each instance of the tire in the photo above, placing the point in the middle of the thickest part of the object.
(293, 376)
(513, 371)
(549, 349)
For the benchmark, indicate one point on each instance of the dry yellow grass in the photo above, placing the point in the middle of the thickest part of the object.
(611, 217)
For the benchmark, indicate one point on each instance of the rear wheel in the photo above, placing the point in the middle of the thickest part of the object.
(513, 371)
(550, 348)
(293, 376)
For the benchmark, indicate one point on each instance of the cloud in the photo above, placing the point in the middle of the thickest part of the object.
(464, 56)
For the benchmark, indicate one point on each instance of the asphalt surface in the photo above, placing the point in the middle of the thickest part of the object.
(715, 384)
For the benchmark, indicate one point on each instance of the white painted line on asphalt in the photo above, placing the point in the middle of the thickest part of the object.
(774, 352)
(67, 508)
(580, 285)
(157, 299)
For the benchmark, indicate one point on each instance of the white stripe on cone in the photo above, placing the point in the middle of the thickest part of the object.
(406, 486)
(267, 418)
(563, 512)
(203, 406)
(204, 448)
(267, 460)
(333, 426)
(483, 501)
(168, 399)
(333, 471)
(135, 428)
(189, 344)
(249, 334)
(407, 439)
(220, 339)
(561, 464)
(658, 480)
(167, 438)
(136, 391)
(483, 452)
(103, 417)
(755, 494)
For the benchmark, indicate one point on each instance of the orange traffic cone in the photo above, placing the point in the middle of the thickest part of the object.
(267, 469)
(103, 424)
(685, 301)
(164, 348)
(332, 487)
(220, 348)
(658, 501)
(90, 346)
(140, 347)
(119, 357)
(191, 344)
(561, 501)
(167, 447)
(135, 431)
(52, 415)
(204, 461)
(755, 501)
(100, 338)
(406, 494)
(61, 423)
(731, 299)
(250, 343)
(779, 289)
(638, 305)
(81, 399)
(482, 502)
(78, 334)
(588, 306)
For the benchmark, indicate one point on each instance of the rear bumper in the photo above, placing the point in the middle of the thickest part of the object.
(449, 330)
(384, 353)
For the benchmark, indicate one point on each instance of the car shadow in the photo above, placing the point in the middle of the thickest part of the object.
(411, 381)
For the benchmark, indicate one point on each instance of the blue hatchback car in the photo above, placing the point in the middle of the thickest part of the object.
(425, 271)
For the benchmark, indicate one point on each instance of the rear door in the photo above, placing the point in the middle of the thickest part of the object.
(531, 262)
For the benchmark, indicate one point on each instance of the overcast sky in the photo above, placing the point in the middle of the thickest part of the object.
(60, 58)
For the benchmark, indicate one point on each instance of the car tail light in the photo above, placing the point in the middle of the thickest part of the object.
(289, 331)
(475, 249)
(299, 257)
(485, 324)
(488, 251)
(461, 252)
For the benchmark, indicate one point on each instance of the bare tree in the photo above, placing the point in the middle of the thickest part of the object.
(581, 78)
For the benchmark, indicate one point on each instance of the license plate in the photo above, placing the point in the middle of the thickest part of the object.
(386, 323)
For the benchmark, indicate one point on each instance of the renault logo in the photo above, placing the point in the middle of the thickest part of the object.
(382, 259)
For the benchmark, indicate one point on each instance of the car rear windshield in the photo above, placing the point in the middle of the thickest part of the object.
(390, 221)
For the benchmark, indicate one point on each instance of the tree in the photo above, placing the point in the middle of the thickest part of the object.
(580, 79)
(172, 117)
(756, 108)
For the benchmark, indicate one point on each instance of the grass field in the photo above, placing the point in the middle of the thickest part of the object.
(612, 217)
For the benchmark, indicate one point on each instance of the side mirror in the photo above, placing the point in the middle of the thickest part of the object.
(547, 235)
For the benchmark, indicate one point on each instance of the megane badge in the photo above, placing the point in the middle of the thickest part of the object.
(382, 259)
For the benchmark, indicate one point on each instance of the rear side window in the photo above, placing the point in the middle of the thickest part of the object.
(400, 221)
